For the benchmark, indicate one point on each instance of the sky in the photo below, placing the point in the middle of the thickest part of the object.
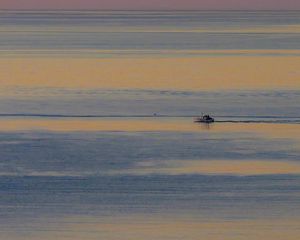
(153, 4)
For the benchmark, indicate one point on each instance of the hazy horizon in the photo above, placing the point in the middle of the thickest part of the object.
(151, 10)
(173, 5)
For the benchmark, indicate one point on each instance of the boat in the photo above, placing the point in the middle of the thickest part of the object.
(204, 119)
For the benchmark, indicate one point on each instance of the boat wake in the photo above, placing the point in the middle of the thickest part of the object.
(259, 121)
(217, 119)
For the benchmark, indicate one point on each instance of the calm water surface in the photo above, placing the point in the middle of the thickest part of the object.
(97, 139)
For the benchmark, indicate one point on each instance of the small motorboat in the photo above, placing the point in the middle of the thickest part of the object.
(204, 119)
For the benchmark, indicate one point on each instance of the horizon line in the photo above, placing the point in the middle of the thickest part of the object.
(149, 10)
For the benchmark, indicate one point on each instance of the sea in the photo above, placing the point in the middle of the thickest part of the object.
(97, 131)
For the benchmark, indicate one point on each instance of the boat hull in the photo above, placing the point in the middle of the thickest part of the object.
(204, 120)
